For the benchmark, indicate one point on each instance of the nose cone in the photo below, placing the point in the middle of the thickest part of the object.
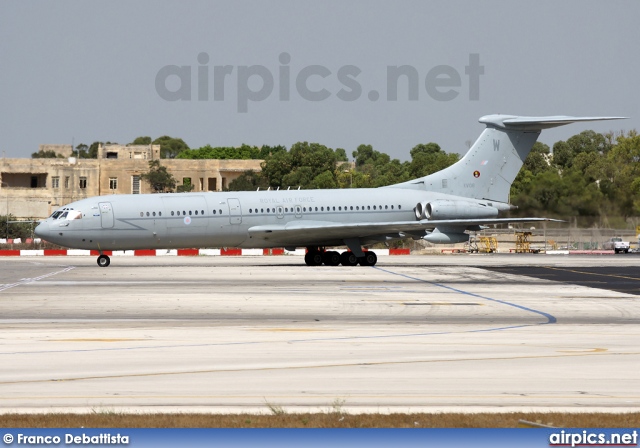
(43, 231)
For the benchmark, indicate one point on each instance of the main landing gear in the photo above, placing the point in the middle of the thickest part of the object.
(103, 261)
(317, 256)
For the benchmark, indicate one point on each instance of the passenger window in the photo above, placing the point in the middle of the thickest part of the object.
(374, 207)
(147, 213)
(183, 212)
(368, 207)
(189, 212)
(220, 211)
(196, 212)
(159, 213)
(392, 207)
(357, 207)
(261, 210)
(172, 213)
(286, 210)
(352, 207)
(141, 214)
(202, 212)
(214, 212)
(386, 207)
(399, 207)
(154, 213)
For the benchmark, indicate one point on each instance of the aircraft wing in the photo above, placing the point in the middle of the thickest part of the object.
(313, 232)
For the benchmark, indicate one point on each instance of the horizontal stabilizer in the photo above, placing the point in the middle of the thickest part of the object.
(537, 123)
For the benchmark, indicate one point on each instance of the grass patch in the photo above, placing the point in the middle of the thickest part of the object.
(336, 419)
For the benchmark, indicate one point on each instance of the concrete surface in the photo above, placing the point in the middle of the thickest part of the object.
(415, 333)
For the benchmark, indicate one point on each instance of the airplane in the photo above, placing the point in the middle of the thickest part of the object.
(439, 208)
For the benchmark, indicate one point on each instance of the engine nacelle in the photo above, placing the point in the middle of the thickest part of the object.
(448, 209)
(438, 237)
(420, 209)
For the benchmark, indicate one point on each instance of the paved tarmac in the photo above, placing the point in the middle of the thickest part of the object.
(460, 333)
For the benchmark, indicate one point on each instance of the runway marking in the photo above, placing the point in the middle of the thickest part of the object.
(317, 366)
(550, 318)
(443, 303)
(584, 350)
(591, 273)
(94, 340)
(27, 281)
(290, 329)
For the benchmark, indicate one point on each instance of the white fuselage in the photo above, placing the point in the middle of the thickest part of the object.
(208, 219)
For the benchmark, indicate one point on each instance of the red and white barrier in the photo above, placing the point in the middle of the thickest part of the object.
(231, 251)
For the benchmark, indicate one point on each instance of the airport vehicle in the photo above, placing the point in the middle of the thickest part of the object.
(439, 208)
(617, 245)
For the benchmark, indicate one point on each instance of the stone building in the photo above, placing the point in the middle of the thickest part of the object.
(33, 188)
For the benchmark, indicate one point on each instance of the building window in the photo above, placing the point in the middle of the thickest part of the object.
(135, 184)
(55, 182)
(66, 181)
(113, 183)
(83, 182)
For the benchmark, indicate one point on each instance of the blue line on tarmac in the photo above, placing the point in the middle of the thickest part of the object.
(550, 319)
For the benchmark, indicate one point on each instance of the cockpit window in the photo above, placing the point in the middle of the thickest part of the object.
(63, 216)
(56, 214)
(74, 214)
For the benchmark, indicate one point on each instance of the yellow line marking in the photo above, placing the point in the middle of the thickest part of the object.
(318, 366)
(584, 350)
(592, 273)
(95, 340)
(290, 329)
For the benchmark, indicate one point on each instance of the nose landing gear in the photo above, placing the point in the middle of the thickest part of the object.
(103, 261)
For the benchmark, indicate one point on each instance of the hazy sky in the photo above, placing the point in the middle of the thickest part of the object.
(87, 71)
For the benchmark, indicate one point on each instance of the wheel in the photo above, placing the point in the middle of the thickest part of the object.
(313, 258)
(103, 261)
(331, 258)
(626, 251)
(348, 259)
(369, 259)
(615, 250)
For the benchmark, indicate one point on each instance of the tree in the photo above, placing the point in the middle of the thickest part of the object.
(248, 181)
(141, 141)
(170, 147)
(15, 229)
(244, 152)
(48, 154)
(186, 186)
(429, 158)
(159, 178)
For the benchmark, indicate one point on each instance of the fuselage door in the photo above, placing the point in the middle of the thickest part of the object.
(280, 212)
(235, 213)
(106, 215)
(298, 211)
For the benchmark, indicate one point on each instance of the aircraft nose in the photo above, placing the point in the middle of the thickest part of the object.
(42, 230)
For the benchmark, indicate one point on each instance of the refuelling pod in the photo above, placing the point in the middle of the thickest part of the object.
(447, 209)
(451, 236)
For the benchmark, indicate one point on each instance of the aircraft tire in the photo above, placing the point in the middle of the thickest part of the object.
(370, 259)
(348, 258)
(313, 258)
(104, 261)
(331, 258)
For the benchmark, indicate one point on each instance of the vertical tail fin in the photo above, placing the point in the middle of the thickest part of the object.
(489, 168)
